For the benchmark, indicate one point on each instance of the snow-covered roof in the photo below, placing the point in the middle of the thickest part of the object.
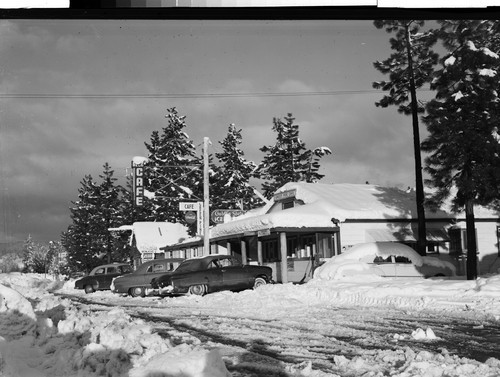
(324, 202)
(313, 215)
(151, 236)
(360, 201)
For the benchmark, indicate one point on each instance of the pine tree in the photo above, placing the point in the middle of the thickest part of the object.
(37, 258)
(409, 68)
(81, 240)
(99, 207)
(109, 213)
(173, 172)
(288, 160)
(230, 187)
(462, 121)
(57, 266)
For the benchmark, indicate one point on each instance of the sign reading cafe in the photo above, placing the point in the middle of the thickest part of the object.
(138, 184)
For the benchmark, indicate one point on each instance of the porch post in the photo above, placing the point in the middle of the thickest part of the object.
(259, 252)
(284, 264)
(243, 252)
(228, 247)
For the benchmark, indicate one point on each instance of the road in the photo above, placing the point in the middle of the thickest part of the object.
(326, 337)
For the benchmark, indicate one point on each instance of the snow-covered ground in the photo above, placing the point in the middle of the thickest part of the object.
(45, 333)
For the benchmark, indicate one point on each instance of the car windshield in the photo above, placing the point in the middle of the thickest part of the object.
(157, 267)
(125, 268)
(188, 265)
(227, 262)
(400, 259)
(379, 259)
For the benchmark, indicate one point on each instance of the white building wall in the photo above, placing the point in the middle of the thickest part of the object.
(489, 261)
(351, 234)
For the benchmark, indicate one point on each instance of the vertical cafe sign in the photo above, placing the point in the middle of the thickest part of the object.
(138, 184)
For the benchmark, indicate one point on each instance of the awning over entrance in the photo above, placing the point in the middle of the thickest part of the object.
(404, 234)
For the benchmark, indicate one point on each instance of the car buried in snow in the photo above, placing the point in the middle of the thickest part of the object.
(212, 273)
(100, 278)
(138, 283)
(386, 259)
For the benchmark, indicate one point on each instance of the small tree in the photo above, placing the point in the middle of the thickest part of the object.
(11, 262)
(37, 258)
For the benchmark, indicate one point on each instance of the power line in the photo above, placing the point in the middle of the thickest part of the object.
(181, 95)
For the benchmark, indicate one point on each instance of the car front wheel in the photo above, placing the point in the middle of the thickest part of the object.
(89, 289)
(259, 282)
(198, 289)
(137, 292)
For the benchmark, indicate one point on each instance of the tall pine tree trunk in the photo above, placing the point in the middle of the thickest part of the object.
(471, 240)
(419, 186)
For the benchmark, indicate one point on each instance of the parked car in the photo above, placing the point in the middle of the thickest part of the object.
(138, 283)
(100, 277)
(388, 259)
(212, 273)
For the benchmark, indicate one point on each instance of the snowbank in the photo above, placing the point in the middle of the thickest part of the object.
(45, 335)
(55, 338)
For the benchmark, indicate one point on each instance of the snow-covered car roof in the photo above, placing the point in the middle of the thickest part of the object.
(357, 259)
(381, 249)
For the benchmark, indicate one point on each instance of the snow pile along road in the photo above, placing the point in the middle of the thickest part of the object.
(43, 334)
(54, 338)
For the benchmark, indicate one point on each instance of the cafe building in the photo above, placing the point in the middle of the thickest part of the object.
(306, 223)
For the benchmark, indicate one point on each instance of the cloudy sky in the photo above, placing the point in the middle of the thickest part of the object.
(56, 126)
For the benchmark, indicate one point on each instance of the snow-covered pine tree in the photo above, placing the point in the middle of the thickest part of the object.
(37, 258)
(311, 173)
(57, 265)
(110, 214)
(230, 186)
(81, 240)
(463, 142)
(173, 172)
(288, 160)
(409, 67)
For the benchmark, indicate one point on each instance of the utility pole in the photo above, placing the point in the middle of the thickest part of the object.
(206, 201)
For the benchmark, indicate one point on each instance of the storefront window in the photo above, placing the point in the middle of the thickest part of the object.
(328, 244)
(270, 251)
(292, 247)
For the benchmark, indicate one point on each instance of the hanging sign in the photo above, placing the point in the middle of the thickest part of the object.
(190, 217)
(284, 195)
(217, 215)
(188, 206)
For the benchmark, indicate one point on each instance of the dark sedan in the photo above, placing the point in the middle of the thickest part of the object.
(100, 278)
(138, 283)
(212, 273)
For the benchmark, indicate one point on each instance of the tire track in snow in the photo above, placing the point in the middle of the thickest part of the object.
(318, 335)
